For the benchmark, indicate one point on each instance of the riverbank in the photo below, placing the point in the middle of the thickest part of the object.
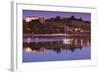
(56, 35)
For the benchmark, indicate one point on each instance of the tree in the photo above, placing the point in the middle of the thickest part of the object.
(57, 18)
(72, 17)
(80, 19)
(26, 28)
(34, 25)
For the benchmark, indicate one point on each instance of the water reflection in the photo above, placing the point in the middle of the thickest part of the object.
(42, 45)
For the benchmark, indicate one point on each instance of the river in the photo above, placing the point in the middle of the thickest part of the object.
(56, 49)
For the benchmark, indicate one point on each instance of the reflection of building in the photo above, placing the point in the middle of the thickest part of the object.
(29, 18)
(39, 50)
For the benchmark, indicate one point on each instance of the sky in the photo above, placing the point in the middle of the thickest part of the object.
(49, 14)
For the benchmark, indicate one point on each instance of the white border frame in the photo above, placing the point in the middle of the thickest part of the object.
(16, 59)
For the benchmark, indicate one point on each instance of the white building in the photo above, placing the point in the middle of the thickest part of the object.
(29, 18)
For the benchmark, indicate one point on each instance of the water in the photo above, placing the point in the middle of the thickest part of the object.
(54, 49)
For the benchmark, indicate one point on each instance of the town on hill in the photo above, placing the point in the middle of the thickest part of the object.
(56, 25)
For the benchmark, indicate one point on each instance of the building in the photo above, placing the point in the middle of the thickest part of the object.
(78, 25)
(29, 18)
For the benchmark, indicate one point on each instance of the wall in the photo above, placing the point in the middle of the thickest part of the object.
(5, 33)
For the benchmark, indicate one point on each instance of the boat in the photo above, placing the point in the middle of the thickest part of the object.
(67, 41)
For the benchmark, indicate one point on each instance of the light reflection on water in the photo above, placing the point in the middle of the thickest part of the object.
(54, 49)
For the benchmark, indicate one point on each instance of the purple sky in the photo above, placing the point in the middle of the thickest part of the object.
(49, 14)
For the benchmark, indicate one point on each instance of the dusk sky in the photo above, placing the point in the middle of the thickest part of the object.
(49, 14)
